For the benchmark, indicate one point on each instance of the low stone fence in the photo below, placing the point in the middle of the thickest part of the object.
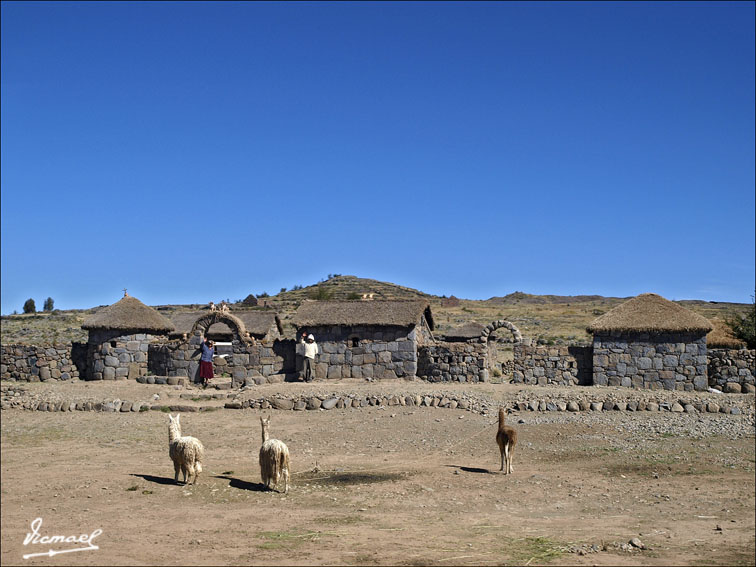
(20, 396)
(732, 370)
(567, 366)
(457, 362)
(35, 363)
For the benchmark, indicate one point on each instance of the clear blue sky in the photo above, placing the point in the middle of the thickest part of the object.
(202, 151)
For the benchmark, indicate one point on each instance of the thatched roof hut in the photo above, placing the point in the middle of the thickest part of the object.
(128, 315)
(721, 336)
(467, 331)
(257, 323)
(398, 313)
(650, 313)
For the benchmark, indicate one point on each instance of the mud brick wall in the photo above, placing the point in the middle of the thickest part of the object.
(35, 363)
(453, 362)
(669, 361)
(730, 366)
(563, 365)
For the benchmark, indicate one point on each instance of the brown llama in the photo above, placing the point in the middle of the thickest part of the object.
(506, 439)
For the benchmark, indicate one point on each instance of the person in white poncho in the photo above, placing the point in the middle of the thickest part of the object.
(310, 352)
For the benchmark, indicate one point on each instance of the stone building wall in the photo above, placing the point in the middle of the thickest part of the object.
(259, 361)
(115, 356)
(563, 365)
(35, 363)
(365, 351)
(454, 362)
(670, 361)
(730, 367)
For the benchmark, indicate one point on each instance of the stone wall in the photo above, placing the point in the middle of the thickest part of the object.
(258, 361)
(43, 362)
(454, 362)
(731, 370)
(563, 365)
(670, 361)
(365, 351)
(115, 356)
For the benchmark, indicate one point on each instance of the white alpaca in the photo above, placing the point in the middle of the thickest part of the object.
(186, 452)
(274, 459)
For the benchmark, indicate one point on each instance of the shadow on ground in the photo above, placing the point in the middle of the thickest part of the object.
(243, 484)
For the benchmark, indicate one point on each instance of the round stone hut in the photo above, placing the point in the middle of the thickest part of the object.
(119, 339)
(650, 342)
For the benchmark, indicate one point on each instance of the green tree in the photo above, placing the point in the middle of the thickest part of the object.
(49, 304)
(29, 306)
(744, 326)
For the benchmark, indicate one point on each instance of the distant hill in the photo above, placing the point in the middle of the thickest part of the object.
(348, 287)
(518, 297)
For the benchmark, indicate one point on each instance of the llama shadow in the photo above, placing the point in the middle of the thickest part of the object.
(243, 484)
(156, 479)
(471, 469)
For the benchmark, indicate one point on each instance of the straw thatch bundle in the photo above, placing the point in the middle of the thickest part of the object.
(650, 313)
(721, 336)
(128, 314)
(398, 313)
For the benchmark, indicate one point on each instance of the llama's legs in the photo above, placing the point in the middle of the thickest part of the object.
(506, 459)
(286, 480)
(196, 473)
(176, 470)
(511, 456)
(184, 471)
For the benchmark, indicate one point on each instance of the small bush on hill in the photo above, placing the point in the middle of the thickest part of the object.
(29, 306)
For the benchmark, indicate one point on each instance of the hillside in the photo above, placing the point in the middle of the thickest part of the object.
(548, 318)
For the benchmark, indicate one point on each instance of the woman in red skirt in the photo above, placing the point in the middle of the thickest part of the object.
(206, 361)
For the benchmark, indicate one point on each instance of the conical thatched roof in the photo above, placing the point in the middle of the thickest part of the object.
(258, 323)
(378, 313)
(470, 330)
(721, 336)
(650, 313)
(128, 314)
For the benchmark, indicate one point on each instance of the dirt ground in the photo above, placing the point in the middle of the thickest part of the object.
(380, 486)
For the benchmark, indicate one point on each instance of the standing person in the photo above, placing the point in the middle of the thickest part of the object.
(206, 361)
(310, 351)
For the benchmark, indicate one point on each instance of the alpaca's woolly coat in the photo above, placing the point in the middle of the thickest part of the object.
(185, 452)
(274, 463)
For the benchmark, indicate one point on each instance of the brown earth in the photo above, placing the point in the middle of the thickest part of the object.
(383, 485)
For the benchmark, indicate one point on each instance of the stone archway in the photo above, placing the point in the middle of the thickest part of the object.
(234, 323)
(491, 327)
(499, 361)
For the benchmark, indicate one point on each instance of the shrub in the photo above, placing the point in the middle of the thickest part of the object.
(29, 306)
(263, 294)
(283, 290)
(353, 295)
(743, 326)
(320, 294)
(49, 304)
